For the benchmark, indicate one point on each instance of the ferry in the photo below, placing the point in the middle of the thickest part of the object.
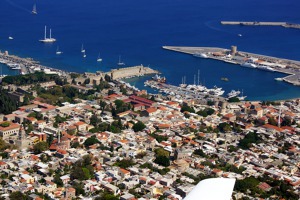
(47, 40)
(159, 79)
(201, 55)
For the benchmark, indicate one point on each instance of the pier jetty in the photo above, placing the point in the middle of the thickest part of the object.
(233, 56)
(131, 72)
(255, 23)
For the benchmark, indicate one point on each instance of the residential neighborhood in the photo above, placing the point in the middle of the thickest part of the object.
(121, 143)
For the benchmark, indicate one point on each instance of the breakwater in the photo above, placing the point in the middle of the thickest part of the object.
(286, 66)
(130, 72)
(255, 23)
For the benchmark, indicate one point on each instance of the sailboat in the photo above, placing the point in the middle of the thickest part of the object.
(58, 52)
(82, 49)
(34, 9)
(47, 40)
(120, 63)
(99, 59)
(84, 55)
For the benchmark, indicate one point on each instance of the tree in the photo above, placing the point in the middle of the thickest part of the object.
(94, 120)
(40, 147)
(125, 163)
(90, 141)
(139, 126)
(87, 81)
(187, 108)
(18, 196)
(161, 152)
(162, 160)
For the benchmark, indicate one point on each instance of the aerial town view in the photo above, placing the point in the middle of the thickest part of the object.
(212, 113)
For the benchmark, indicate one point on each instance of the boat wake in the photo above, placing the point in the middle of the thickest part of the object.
(212, 25)
(17, 6)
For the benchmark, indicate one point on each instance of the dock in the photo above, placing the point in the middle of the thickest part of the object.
(256, 23)
(232, 56)
(128, 72)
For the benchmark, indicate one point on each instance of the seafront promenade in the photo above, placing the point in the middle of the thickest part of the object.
(255, 23)
(286, 66)
(28, 65)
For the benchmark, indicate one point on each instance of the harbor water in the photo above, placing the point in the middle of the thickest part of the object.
(137, 30)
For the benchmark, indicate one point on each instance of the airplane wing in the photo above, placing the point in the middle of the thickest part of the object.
(212, 189)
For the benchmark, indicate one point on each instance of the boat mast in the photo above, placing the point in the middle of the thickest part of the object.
(198, 77)
(45, 35)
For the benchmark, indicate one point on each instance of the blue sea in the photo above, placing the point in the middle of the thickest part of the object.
(137, 29)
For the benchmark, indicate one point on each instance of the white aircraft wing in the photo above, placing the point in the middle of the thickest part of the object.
(212, 189)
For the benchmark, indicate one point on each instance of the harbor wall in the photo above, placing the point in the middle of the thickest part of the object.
(283, 24)
(131, 71)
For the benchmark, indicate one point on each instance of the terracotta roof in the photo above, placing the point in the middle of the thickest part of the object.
(10, 127)
(79, 123)
(151, 110)
(124, 171)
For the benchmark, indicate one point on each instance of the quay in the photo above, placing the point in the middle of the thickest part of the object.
(28, 65)
(232, 56)
(127, 72)
(255, 23)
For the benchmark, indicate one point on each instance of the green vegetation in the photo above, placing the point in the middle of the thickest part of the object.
(249, 183)
(27, 79)
(58, 94)
(250, 138)
(187, 108)
(154, 169)
(3, 146)
(36, 115)
(206, 112)
(139, 126)
(199, 152)
(90, 141)
(121, 106)
(82, 169)
(5, 124)
(7, 105)
(18, 196)
(233, 99)
(159, 138)
(224, 127)
(125, 163)
(40, 147)
(162, 157)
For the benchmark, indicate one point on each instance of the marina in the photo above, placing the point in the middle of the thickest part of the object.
(246, 59)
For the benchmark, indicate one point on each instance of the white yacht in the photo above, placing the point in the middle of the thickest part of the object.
(82, 49)
(233, 93)
(120, 63)
(10, 38)
(58, 52)
(34, 9)
(47, 40)
(248, 64)
(84, 55)
(266, 68)
(99, 59)
(201, 55)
